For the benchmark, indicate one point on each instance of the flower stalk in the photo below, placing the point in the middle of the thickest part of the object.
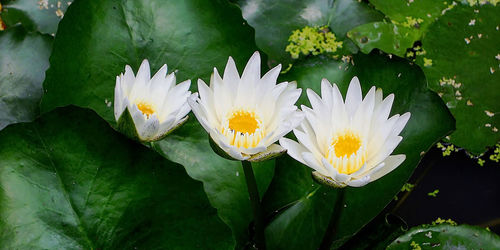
(253, 192)
(333, 225)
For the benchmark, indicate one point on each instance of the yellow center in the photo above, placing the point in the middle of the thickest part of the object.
(146, 108)
(346, 144)
(243, 122)
(346, 152)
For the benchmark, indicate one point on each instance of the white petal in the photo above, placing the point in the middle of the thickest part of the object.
(334, 173)
(118, 99)
(314, 163)
(359, 182)
(150, 128)
(353, 97)
(199, 112)
(231, 75)
(270, 78)
(137, 116)
(166, 125)
(293, 120)
(143, 75)
(401, 123)
(391, 163)
(224, 93)
(362, 118)
(159, 77)
(127, 80)
(327, 92)
(251, 73)
(294, 149)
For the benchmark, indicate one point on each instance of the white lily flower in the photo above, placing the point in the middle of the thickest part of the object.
(156, 105)
(244, 116)
(349, 142)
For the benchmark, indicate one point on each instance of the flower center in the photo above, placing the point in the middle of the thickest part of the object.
(146, 108)
(243, 128)
(243, 122)
(346, 144)
(346, 152)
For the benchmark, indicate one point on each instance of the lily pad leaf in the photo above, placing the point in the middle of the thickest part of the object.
(462, 64)
(25, 57)
(299, 206)
(69, 181)
(446, 236)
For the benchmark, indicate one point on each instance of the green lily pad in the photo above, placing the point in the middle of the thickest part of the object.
(299, 206)
(42, 15)
(23, 61)
(447, 237)
(388, 37)
(68, 181)
(192, 37)
(465, 70)
(409, 22)
(274, 21)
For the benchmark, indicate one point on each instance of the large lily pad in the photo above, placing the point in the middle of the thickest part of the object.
(409, 21)
(190, 36)
(447, 237)
(68, 181)
(465, 69)
(301, 207)
(42, 16)
(274, 21)
(23, 61)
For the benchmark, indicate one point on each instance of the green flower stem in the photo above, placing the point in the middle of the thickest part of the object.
(332, 228)
(255, 200)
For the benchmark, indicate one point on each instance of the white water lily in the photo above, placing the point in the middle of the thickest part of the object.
(156, 105)
(244, 116)
(349, 142)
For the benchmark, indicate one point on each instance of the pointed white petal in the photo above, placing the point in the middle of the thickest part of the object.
(401, 123)
(391, 163)
(294, 149)
(231, 75)
(314, 163)
(251, 73)
(144, 73)
(327, 92)
(353, 97)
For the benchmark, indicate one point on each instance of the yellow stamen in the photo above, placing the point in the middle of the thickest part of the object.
(243, 128)
(345, 153)
(243, 122)
(146, 108)
(346, 144)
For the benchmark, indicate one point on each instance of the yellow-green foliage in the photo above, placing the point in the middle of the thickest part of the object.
(433, 193)
(496, 154)
(447, 149)
(439, 221)
(407, 187)
(312, 40)
(480, 162)
(412, 22)
(414, 246)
